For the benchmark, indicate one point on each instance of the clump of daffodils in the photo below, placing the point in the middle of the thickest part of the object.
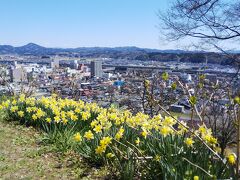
(110, 132)
(67, 111)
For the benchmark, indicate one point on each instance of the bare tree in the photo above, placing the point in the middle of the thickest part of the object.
(209, 21)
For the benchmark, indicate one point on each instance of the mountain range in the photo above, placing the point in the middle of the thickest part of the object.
(35, 49)
(128, 52)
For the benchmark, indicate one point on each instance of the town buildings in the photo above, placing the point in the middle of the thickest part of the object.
(108, 81)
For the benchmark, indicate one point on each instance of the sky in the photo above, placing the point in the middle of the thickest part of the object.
(82, 23)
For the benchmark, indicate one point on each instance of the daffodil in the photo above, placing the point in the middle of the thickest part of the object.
(14, 102)
(22, 98)
(165, 130)
(30, 101)
(100, 149)
(98, 128)
(105, 141)
(137, 141)
(64, 121)
(34, 117)
(20, 113)
(73, 117)
(119, 134)
(213, 140)
(57, 119)
(77, 110)
(110, 155)
(107, 125)
(40, 113)
(231, 159)
(144, 133)
(182, 128)
(86, 115)
(157, 158)
(189, 142)
(6, 104)
(29, 109)
(14, 109)
(89, 135)
(93, 123)
(202, 129)
(168, 121)
(77, 137)
(48, 120)
(195, 178)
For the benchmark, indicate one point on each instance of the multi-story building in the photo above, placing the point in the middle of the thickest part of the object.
(55, 64)
(96, 69)
(18, 74)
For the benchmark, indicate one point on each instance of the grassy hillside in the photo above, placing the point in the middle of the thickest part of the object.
(23, 156)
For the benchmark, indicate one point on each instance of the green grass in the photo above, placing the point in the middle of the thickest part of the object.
(23, 156)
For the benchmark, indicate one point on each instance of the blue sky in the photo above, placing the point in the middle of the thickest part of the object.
(77, 23)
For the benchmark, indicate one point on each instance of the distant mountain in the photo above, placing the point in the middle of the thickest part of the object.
(36, 49)
(6, 49)
(30, 48)
(128, 52)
